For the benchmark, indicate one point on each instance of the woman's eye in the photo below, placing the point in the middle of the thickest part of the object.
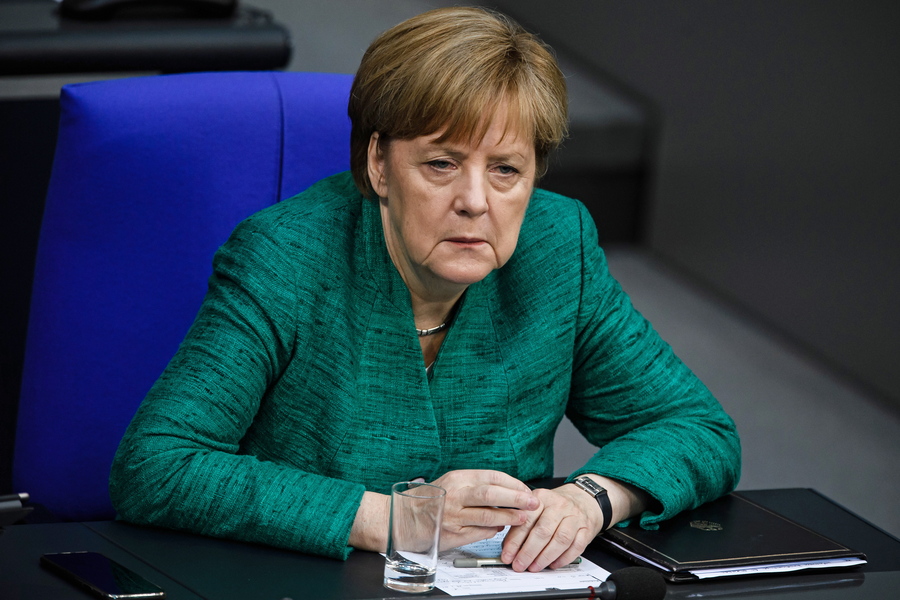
(507, 170)
(440, 164)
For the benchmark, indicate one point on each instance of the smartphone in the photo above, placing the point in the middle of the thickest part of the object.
(101, 576)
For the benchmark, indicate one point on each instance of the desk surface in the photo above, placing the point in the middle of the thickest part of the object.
(189, 566)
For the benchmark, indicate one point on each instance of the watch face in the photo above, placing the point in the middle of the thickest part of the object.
(586, 484)
(590, 486)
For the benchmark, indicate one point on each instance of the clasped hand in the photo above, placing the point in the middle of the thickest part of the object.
(548, 528)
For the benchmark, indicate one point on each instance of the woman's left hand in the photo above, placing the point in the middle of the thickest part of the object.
(554, 534)
(567, 520)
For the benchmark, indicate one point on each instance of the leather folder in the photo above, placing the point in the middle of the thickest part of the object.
(730, 536)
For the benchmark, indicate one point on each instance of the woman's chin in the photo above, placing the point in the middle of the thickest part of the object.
(464, 274)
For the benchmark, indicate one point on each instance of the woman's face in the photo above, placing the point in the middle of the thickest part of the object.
(452, 211)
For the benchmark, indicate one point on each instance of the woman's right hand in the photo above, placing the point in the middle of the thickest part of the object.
(479, 503)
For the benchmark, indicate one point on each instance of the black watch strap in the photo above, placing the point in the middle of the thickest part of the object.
(600, 495)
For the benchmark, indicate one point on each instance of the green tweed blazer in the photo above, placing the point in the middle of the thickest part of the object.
(301, 383)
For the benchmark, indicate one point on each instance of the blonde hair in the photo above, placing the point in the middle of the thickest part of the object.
(452, 68)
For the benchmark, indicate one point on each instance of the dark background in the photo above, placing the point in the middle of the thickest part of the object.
(777, 176)
(769, 172)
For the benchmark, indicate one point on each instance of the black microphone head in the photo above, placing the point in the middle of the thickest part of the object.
(638, 583)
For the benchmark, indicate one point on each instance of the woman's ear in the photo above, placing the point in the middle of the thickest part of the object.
(376, 165)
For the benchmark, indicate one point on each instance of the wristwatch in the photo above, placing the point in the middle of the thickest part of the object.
(600, 495)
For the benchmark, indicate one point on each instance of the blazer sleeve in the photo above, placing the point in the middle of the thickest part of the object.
(179, 464)
(655, 423)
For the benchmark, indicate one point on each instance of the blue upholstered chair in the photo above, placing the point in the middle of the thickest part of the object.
(150, 176)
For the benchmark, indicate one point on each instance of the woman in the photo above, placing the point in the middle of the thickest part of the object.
(431, 315)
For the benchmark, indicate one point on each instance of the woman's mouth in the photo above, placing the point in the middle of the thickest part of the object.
(466, 241)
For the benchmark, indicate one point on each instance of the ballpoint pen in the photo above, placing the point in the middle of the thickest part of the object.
(489, 562)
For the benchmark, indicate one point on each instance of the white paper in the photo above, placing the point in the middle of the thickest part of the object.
(778, 568)
(486, 580)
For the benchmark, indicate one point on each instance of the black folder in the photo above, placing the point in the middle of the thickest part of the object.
(730, 536)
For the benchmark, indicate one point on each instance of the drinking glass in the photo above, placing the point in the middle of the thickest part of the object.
(413, 536)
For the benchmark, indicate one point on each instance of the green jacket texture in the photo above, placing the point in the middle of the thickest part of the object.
(301, 382)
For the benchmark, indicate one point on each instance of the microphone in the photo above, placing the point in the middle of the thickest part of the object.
(632, 583)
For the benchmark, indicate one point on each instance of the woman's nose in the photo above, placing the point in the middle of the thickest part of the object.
(472, 195)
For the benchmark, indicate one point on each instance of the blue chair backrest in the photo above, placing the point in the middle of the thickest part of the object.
(150, 176)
